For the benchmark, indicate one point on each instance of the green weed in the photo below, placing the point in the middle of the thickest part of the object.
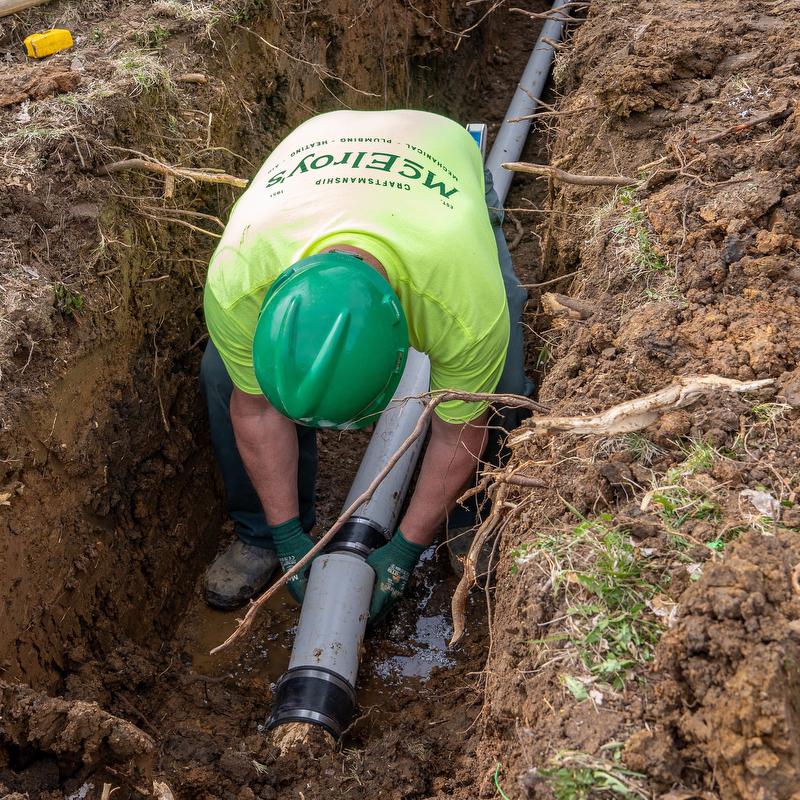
(674, 505)
(769, 412)
(81, 104)
(497, 786)
(66, 300)
(519, 556)
(606, 594)
(633, 235)
(576, 687)
(666, 291)
(543, 357)
(152, 38)
(579, 776)
(673, 502)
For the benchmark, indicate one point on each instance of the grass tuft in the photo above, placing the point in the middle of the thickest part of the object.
(31, 134)
(637, 249)
(144, 71)
(674, 501)
(579, 776)
(606, 591)
(152, 38)
(643, 449)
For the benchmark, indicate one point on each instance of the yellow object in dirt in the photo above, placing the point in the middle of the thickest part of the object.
(39, 45)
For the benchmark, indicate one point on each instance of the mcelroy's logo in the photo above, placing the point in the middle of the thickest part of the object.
(362, 160)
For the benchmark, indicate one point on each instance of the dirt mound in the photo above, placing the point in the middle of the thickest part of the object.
(110, 504)
(730, 677)
(75, 731)
(628, 558)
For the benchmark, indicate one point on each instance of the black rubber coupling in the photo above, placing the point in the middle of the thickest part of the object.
(359, 536)
(313, 695)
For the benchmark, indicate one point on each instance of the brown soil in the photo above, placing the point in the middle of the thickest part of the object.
(694, 271)
(111, 507)
(727, 686)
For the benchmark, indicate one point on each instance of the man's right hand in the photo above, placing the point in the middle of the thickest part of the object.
(291, 544)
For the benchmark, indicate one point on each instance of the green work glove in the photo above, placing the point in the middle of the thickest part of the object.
(291, 544)
(392, 564)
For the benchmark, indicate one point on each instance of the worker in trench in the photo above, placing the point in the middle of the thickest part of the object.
(362, 234)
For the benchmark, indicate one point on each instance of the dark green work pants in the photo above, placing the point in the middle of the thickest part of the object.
(242, 501)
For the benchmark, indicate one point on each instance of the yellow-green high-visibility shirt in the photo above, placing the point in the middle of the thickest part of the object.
(406, 187)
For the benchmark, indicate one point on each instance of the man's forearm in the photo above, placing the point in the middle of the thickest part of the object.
(450, 462)
(267, 443)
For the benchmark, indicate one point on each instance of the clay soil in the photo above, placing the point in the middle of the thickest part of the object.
(644, 634)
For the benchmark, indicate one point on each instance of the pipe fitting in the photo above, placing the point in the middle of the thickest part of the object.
(313, 695)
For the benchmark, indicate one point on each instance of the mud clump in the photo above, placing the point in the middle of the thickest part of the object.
(78, 734)
(729, 686)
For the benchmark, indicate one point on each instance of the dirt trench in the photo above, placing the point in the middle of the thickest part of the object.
(111, 506)
(643, 638)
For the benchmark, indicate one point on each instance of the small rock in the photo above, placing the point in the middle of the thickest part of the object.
(673, 425)
(768, 242)
(791, 517)
(733, 249)
(89, 211)
(791, 391)
(763, 502)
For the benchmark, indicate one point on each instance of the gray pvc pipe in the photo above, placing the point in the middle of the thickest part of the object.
(512, 135)
(394, 426)
(334, 615)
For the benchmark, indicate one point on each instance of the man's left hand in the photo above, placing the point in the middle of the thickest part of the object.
(393, 564)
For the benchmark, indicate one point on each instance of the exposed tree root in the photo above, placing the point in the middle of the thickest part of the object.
(555, 173)
(633, 415)
(560, 305)
(200, 175)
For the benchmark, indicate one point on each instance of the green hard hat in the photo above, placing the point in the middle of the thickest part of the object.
(331, 342)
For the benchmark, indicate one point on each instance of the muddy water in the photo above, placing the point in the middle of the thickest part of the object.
(398, 658)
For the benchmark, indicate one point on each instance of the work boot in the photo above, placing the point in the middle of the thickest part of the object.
(238, 573)
(459, 541)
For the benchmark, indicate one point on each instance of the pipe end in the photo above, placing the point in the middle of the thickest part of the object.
(315, 696)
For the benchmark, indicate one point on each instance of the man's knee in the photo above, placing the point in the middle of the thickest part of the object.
(496, 214)
(214, 378)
